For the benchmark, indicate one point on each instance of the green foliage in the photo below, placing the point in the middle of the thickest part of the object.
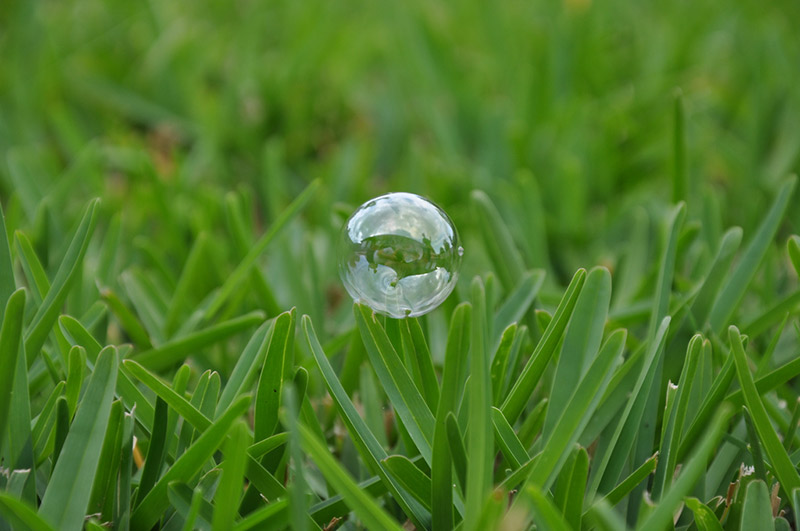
(622, 349)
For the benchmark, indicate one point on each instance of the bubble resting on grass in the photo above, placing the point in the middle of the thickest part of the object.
(399, 254)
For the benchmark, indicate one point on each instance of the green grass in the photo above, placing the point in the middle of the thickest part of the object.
(622, 349)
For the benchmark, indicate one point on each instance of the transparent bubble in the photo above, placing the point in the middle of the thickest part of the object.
(400, 255)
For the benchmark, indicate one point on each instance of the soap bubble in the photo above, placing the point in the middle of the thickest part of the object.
(400, 255)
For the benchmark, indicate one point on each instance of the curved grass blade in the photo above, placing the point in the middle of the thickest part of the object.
(178, 349)
(67, 497)
(413, 340)
(635, 478)
(279, 356)
(156, 450)
(782, 465)
(32, 267)
(246, 367)
(577, 412)
(571, 485)
(230, 488)
(458, 451)
(265, 446)
(367, 445)
(704, 517)
(21, 516)
(70, 267)
(272, 516)
(581, 342)
(399, 387)
(441, 464)
(410, 478)
(10, 337)
(621, 451)
(675, 422)
(534, 368)
(105, 482)
(545, 513)
(187, 465)
(368, 511)
(480, 444)
(661, 516)
(509, 443)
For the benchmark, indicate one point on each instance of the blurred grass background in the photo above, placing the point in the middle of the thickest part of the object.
(562, 111)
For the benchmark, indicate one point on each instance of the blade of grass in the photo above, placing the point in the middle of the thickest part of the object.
(272, 516)
(757, 510)
(105, 482)
(458, 452)
(452, 374)
(410, 478)
(21, 515)
(156, 450)
(46, 315)
(581, 342)
(67, 497)
(178, 349)
(545, 513)
(704, 517)
(672, 432)
(500, 362)
(680, 179)
(246, 368)
(10, 336)
(480, 444)
(32, 267)
(784, 469)
(368, 511)
(571, 486)
(754, 446)
(635, 478)
(279, 356)
(643, 383)
(577, 412)
(508, 441)
(662, 515)
(413, 340)
(399, 387)
(523, 388)
(230, 489)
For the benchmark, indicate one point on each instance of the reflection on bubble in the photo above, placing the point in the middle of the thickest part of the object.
(399, 254)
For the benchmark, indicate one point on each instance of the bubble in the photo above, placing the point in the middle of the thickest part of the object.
(399, 254)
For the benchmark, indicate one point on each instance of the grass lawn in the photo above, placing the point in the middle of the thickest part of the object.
(622, 347)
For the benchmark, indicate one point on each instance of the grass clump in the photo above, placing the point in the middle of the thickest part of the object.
(622, 349)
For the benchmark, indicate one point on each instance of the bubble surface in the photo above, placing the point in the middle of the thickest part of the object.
(400, 255)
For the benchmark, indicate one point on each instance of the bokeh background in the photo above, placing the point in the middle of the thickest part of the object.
(564, 112)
